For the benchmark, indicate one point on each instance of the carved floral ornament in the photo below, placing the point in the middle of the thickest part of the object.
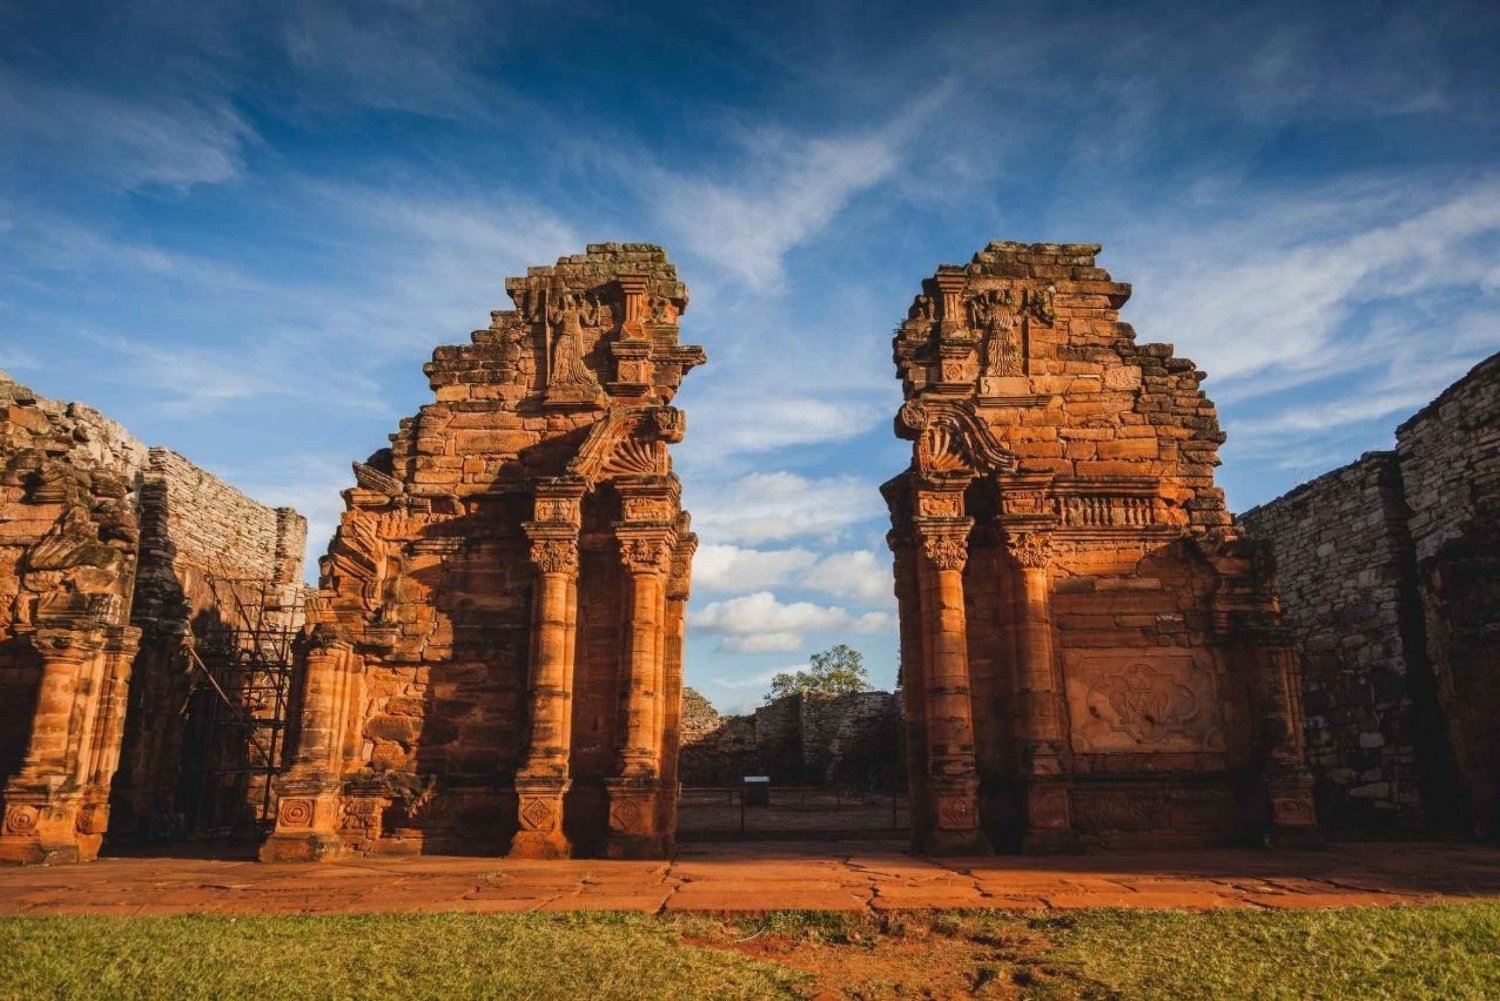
(555, 556)
(951, 437)
(1032, 550)
(947, 552)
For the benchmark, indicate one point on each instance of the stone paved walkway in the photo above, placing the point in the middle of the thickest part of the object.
(760, 877)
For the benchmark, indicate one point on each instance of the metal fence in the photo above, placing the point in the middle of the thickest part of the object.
(707, 813)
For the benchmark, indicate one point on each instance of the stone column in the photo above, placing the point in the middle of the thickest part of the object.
(1041, 734)
(96, 771)
(679, 585)
(952, 823)
(645, 551)
(543, 780)
(1288, 783)
(913, 681)
(309, 803)
(43, 800)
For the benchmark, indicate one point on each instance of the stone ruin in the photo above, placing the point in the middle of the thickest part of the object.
(494, 661)
(1092, 653)
(1390, 572)
(116, 562)
(846, 741)
(1091, 650)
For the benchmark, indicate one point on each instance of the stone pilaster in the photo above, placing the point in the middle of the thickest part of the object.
(635, 789)
(952, 823)
(679, 589)
(309, 803)
(1040, 731)
(53, 810)
(913, 680)
(543, 779)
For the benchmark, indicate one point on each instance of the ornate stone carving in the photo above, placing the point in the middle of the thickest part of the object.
(640, 555)
(947, 552)
(948, 504)
(649, 508)
(1032, 550)
(22, 819)
(537, 814)
(923, 307)
(295, 813)
(555, 556)
(566, 318)
(951, 437)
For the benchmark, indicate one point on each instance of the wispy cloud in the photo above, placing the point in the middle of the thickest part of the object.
(759, 623)
(170, 139)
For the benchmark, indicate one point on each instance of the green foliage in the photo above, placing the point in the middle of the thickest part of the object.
(838, 670)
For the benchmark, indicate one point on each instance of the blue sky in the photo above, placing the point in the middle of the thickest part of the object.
(241, 228)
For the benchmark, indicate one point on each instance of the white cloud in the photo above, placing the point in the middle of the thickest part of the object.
(859, 575)
(758, 623)
(719, 567)
(767, 507)
(1266, 296)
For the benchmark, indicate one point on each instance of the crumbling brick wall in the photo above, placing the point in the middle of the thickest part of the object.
(216, 568)
(106, 543)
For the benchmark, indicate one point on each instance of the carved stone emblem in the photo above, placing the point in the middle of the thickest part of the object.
(22, 819)
(536, 815)
(295, 813)
(645, 555)
(625, 815)
(1144, 703)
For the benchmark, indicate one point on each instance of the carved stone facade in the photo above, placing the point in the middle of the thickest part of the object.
(103, 583)
(1091, 651)
(1390, 575)
(495, 659)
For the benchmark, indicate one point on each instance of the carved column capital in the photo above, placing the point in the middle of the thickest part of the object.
(1030, 550)
(947, 551)
(555, 556)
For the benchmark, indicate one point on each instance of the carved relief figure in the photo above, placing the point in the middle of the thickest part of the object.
(922, 308)
(567, 319)
(993, 315)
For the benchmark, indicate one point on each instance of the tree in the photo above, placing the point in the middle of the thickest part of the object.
(838, 670)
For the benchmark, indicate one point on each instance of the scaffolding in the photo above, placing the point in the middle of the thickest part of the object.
(240, 667)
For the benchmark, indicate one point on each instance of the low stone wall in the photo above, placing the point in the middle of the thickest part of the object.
(852, 741)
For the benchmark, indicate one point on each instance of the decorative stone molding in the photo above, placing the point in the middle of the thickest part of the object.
(645, 555)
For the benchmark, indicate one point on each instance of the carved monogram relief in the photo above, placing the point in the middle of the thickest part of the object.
(1147, 701)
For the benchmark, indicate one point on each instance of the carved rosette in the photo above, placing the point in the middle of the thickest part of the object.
(537, 813)
(1031, 550)
(295, 814)
(555, 556)
(946, 551)
(22, 819)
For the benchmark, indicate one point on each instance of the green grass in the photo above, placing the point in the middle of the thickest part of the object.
(378, 956)
(1405, 953)
(1363, 953)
